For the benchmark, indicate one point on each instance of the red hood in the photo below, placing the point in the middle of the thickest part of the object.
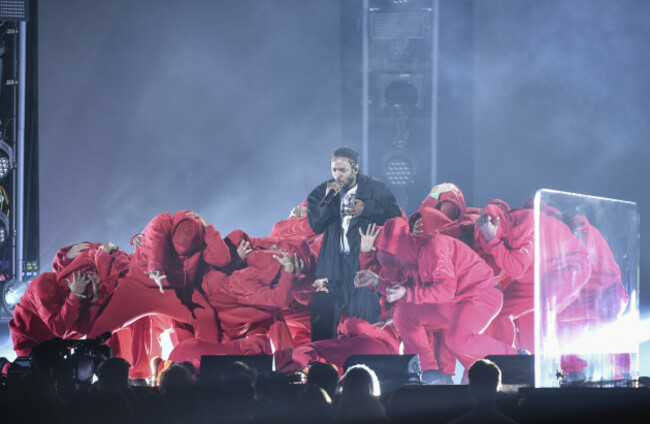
(450, 201)
(61, 261)
(432, 219)
(83, 262)
(396, 239)
(299, 246)
(261, 266)
(292, 244)
(187, 234)
(546, 209)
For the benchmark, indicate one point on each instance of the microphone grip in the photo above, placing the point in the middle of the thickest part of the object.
(330, 196)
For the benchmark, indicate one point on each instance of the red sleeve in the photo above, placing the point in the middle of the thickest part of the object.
(56, 306)
(109, 269)
(437, 272)
(250, 291)
(564, 258)
(294, 227)
(604, 269)
(156, 241)
(513, 252)
(369, 261)
(430, 201)
(303, 292)
(103, 263)
(216, 252)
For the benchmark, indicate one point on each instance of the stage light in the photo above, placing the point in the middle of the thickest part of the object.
(12, 292)
(401, 96)
(398, 170)
(4, 228)
(14, 10)
(6, 159)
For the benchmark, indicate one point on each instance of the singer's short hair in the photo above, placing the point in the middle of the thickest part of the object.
(346, 152)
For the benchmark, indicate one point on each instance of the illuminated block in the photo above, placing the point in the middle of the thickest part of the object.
(586, 323)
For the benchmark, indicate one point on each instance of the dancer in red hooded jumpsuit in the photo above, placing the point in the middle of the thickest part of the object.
(249, 303)
(164, 274)
(600, 301)
(444, 211)
(64, 303)
(252, 299)
(506, 239)
(454, 292)
(298, 314)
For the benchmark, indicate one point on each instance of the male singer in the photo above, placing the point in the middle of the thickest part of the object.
(339, 208)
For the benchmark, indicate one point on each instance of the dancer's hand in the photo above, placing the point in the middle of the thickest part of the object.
(286, 262)
(383, 324)
(244, 249)
(109, 247)
(94, 278)
(136, 241)
(76, 249)
(277, 249)
(320, 285)
(395, 293)
(298, 212)
(299, 263)
(368, 238)
(417, 227)
(78, 284)
(365, 278)
(488, 227)
(204, 221)
(157, 276)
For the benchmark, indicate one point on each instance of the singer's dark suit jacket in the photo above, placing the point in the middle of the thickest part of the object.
(380, 205)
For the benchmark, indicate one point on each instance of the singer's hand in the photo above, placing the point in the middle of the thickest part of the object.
(333, 186)
(354, 210)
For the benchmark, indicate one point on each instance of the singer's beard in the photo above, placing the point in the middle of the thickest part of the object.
(347, 186)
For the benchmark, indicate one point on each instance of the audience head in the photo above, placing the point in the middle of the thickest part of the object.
(324, 376)
(484, 379)
(315, 405)
(239, 382)
(237, 370)
(113, 374)
(359, 381)
(176, 378)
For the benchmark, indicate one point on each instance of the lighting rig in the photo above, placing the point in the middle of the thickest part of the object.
(15, 271)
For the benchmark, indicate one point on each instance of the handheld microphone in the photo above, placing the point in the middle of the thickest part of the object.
(331, 195)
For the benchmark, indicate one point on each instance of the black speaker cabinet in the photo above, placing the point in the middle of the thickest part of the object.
(515, 369)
